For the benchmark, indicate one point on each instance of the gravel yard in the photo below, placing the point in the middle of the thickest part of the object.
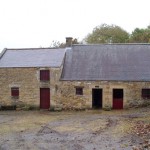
(74, 130)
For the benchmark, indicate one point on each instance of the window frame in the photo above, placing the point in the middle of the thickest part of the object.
(45, 75)
(79, 91)
(146, 93)
(15, 92)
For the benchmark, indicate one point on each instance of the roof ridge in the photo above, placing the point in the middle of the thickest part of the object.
(111, 44)
(33, 48)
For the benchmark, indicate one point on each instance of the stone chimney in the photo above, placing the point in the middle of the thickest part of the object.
(69, 41)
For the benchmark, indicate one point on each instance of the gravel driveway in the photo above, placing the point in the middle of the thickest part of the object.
(84, 130)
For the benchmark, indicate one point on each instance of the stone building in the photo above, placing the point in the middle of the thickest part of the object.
(106, 75)
(77, 77)
(30, 76)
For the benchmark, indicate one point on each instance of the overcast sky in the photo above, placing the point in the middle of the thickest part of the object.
(36, 23)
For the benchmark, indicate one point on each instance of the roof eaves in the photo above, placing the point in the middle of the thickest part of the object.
(30, 67)
(92, 80)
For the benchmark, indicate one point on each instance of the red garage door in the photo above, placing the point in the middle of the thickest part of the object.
(117, 98)
(44, 98)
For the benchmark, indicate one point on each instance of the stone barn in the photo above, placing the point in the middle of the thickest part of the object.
(107, 75)
(77, 77)
(30, 76)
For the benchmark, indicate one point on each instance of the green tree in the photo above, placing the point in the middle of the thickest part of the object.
(140, 35)
(57, 44)
(107, 34)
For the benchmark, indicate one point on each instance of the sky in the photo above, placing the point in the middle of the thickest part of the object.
(36, 23)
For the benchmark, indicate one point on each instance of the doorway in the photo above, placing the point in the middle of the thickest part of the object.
(44, 98)
(97, 98)
(117, 98)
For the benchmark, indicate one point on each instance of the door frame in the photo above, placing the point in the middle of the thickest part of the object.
(101, 98)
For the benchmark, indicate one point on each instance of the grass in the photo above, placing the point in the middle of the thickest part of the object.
(24, 121)
(80, 126)
(18, 121)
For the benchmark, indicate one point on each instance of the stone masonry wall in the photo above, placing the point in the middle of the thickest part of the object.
(28, 81)
(62, 93)
(132, 93)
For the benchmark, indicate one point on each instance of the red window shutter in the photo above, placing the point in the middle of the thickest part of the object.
(44, 75)
(15, 92)
(79, 91)
(146, 93)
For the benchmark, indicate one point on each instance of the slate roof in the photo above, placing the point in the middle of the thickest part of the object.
(108, 62)
(32, 57)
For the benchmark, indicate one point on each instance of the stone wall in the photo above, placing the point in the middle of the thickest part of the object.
(132, 93)
(62, 93)
(28, 81)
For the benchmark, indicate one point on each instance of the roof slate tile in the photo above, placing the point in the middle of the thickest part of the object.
(121, 62)
(38, 57)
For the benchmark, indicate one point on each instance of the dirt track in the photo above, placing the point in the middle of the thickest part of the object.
(91, 130)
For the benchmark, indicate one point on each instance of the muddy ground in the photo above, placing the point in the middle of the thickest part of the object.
(84, 130)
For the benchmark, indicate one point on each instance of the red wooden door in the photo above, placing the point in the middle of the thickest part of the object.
(118, 103)
(117, 98)
(44, 98)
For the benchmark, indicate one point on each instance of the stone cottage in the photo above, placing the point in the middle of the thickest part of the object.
(106, 75)
(76, 77)
(30, 76)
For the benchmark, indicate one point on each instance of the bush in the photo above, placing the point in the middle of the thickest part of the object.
(30, 107)
(107, 108)
(8, 107)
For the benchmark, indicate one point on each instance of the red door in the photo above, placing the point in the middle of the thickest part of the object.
(44, 98)
(117, 98)
(118, 103)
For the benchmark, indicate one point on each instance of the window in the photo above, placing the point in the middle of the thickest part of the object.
(44, 75)
(146, 93)
(79, 90)
(15, 92)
